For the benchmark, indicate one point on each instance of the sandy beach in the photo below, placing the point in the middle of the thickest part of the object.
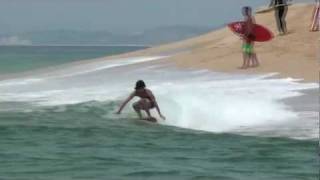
(294, 55)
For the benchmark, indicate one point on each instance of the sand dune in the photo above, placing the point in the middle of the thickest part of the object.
(294, 55)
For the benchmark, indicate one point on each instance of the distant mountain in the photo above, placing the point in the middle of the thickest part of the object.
(72, 37)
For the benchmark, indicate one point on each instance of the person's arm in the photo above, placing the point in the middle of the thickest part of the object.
(159, 112)
(125, 102)
(156, 104)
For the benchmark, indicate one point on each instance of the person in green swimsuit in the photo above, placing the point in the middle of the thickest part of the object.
(249, 56)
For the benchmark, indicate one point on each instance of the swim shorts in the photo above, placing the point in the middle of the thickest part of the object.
(247, 48)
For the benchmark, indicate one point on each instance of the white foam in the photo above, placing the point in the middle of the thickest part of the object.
(84, 69)
(222, 106)
(192, 99)
(90, 68)
(14, 82)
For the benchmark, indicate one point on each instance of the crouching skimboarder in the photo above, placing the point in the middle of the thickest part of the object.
(147, 102)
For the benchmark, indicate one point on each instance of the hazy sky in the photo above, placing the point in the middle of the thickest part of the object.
(117, 15)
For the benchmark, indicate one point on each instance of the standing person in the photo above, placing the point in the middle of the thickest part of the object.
(281, 9)
(248, 45)
(147, 102)
(316, 17)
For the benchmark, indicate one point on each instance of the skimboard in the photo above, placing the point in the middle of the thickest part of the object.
(260, 33)
(266, 9)
(151, 119)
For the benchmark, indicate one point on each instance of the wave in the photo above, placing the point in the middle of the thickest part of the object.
(14, 41)
(193, 99)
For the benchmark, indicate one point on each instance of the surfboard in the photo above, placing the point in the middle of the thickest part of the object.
(266, 9)
(260, 33)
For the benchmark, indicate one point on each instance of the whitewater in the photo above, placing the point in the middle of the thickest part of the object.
(189, 98)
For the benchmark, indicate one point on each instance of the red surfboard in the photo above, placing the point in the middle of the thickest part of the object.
(260, 33)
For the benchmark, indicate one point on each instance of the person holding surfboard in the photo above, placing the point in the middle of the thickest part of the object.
(281, 9)
(248, 44)
(250, 32)
(147, 102)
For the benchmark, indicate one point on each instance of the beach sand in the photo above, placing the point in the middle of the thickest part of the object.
(294, 55)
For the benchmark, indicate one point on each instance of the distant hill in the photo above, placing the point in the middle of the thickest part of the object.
(149, 37)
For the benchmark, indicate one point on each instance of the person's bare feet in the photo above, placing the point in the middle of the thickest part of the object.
(282, 33)
(255, 65)
(243, 67)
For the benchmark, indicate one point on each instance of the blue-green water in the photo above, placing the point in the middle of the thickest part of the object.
(14, 59)
(83, 142)
(64, 127)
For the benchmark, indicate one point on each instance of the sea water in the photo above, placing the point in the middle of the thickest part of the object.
(17, 59)
(62, 125)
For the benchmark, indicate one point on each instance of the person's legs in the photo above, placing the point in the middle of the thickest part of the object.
(150, 118)
(246, 56)
(255, 59)
(317, 18)
(283, 14)
(137, 107)
(245, 60)
(278, 19)
(251, 60)
(147, 106)
(142, 104)
(249, 56)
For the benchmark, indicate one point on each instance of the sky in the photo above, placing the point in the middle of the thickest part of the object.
(117, 15)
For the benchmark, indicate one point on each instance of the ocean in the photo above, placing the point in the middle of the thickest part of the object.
(17, 59)
(62, 124)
